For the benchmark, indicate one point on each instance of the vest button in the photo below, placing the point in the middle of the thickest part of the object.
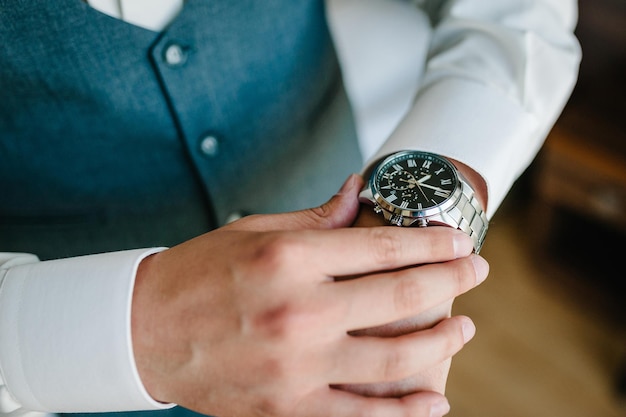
(174, 55)
(209, 145)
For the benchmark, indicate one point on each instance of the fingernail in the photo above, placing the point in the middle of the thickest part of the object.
(348, 184)
(463, 244)
(481, 267)
(440, 409)
(468, 329)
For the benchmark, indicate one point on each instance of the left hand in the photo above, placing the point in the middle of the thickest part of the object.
(433, 379)
(247, 319)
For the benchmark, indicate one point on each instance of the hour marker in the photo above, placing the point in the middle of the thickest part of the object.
(405, 204)
(426, 164)
(397, 167)
(411, 163)
(439, 171)
(392, 198)
(442, 193)
(446, 181)
(419, 206)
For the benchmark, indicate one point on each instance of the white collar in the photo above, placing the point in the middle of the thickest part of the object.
(149, 14)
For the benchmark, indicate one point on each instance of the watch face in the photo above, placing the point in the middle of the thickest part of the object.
(415, 181)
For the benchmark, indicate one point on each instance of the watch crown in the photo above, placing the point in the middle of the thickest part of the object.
(396, 219)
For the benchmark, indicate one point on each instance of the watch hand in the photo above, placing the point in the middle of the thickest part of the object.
(432, 187)
(415, 183)
(424, 178)
(421, 191)
(419, 184)
(412, 182)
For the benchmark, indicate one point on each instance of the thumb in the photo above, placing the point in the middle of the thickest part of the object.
(339, 211)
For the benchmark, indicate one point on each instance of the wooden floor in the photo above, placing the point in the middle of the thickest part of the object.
(549, 342)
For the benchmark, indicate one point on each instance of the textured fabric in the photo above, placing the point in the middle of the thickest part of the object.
(101, 148)
(59, 373)
(101, 136)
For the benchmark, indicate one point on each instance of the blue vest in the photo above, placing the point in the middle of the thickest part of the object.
(115, 137)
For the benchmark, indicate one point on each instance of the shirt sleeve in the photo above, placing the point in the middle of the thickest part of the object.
(491, 83)
(65, 341)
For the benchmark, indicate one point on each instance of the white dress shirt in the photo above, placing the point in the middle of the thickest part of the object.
(483, 84)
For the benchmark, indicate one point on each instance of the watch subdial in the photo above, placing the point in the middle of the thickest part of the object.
(401, 180)
(410, 198)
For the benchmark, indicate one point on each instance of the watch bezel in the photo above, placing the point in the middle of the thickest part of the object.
(426, 213)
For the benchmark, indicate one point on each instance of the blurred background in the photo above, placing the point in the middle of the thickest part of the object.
(551, 317)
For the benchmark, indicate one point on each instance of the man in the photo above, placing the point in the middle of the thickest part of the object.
(117, 137)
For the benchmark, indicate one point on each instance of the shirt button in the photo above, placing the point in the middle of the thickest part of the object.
(234, 216)
(175, 55)
(209, 145)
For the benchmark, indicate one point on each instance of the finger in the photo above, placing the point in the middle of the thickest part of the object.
(373, 359)
(337, 403)
(354, 251)
(339, 211)
(424, 320)
(375, 300)
(344, 252)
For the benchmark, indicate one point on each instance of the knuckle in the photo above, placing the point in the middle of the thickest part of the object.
(322, 213)
(274, 369)
(395, 364)
(385, 245)
(316, 217)
(271, 406)
(276, 252)
(408, 295)
(280, 322)
(283, 374)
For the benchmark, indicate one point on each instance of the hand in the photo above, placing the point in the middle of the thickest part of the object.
(424, 178)
(421, 183)
(435, 378)
(248, 320)
(414, 183)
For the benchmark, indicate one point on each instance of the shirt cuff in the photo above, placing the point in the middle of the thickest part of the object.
(65, 334)
(474, 124)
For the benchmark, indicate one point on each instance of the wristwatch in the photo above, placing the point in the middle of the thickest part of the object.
(413, 188)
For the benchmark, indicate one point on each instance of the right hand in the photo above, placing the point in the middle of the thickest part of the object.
(249, 320)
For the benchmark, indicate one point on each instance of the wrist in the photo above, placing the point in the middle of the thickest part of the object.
(368, 218)
(143, 326)
(416, 188)
(475, 180)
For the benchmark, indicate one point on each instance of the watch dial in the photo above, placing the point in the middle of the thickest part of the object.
(415, 181)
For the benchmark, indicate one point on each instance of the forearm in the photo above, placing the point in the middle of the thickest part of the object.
(435, 378)
(495, 81)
